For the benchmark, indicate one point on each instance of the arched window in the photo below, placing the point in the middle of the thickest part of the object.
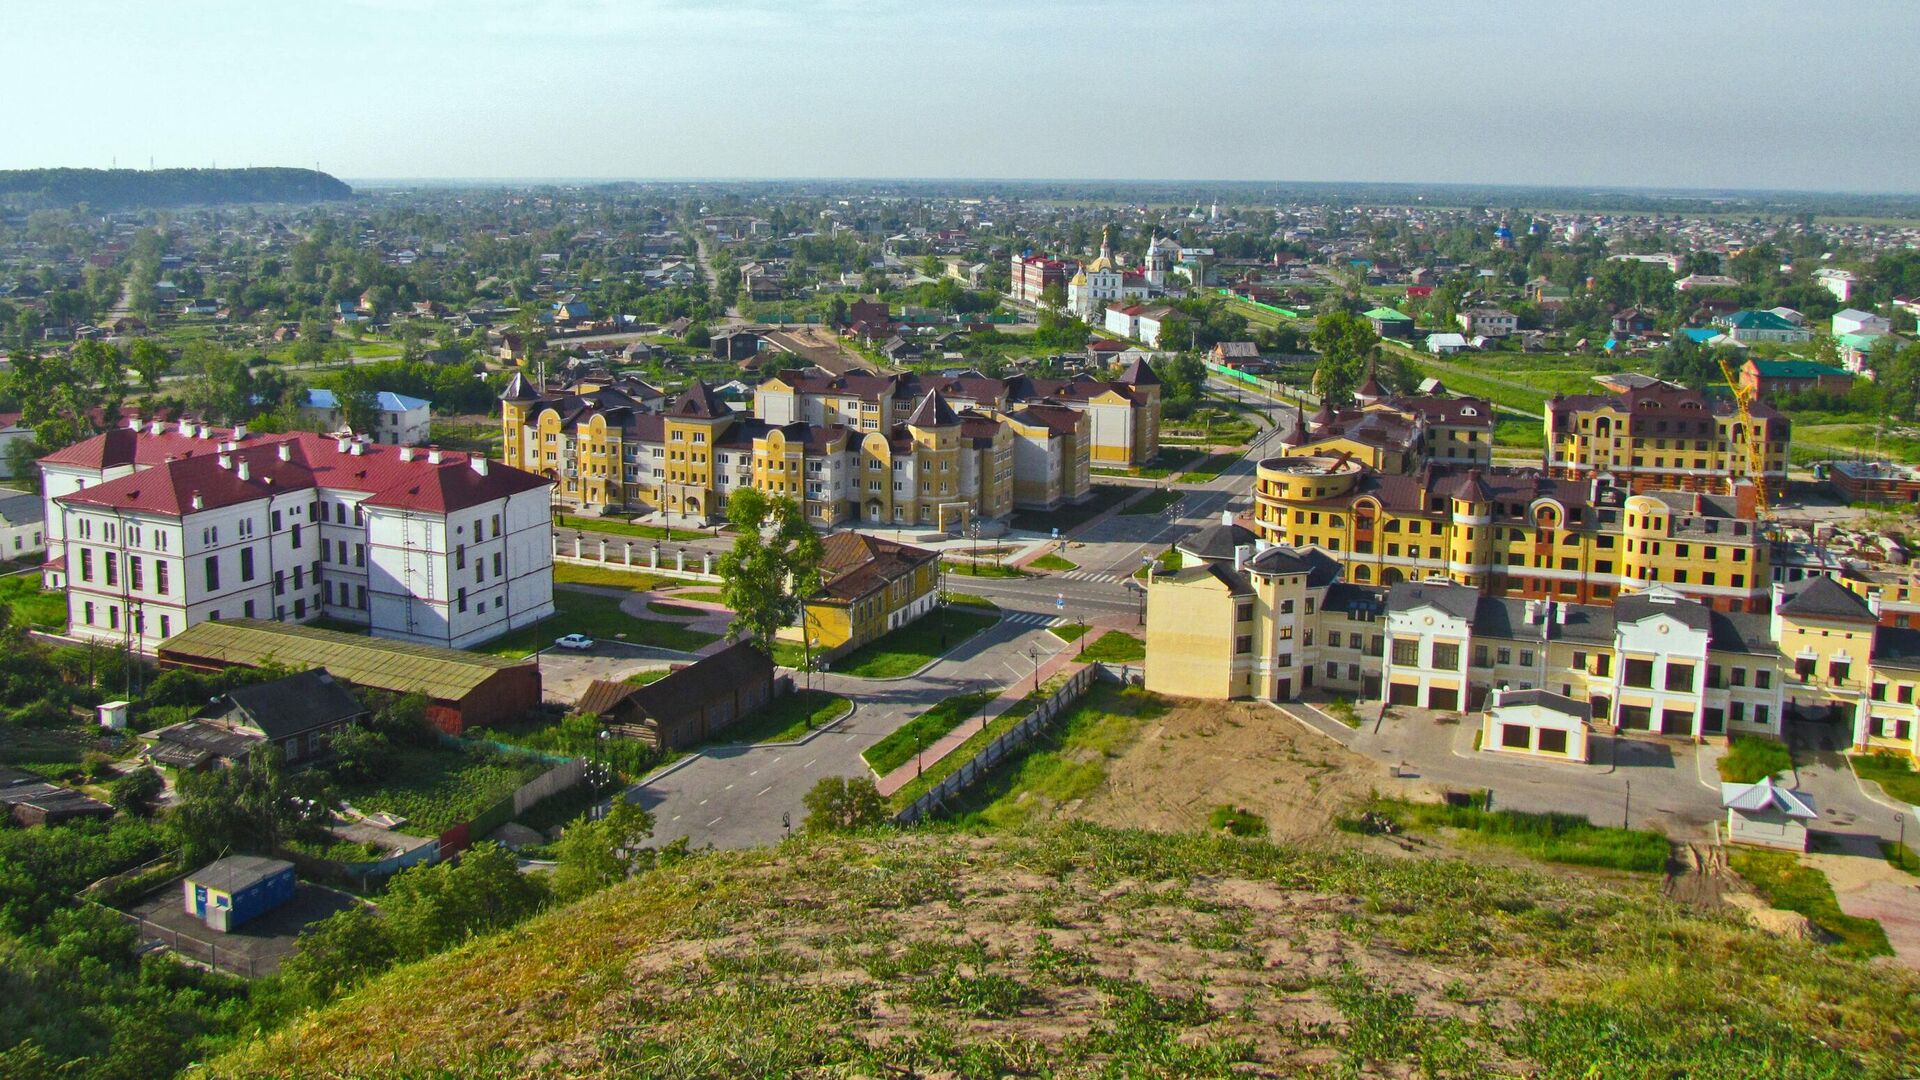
(1362, 572)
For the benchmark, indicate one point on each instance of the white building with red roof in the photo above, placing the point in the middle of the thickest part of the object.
(151, 529)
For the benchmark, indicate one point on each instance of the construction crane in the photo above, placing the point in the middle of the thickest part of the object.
(1756, 444)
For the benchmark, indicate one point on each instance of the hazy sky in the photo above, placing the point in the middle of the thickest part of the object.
(1754, 94)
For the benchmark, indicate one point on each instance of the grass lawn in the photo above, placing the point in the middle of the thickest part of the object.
(615, 526)
(1100, 498)
(598, 617)
(1892, 772)
(33, 605)
(917, 644)
(1901, 856)
(1524, 434)
(1781, 881)
(1167, 463)
(1208, 469)
(976, 742)
(1750, 759)
(664, 607)
(711, 596)
(1561, 838)
(1153, 502)
(436, 788)
(607, 577)
(788, 718)
(1068, 631)
(924, 730)
(1051, 561)
(983, 569)
(1064, 763)
(1115, 647)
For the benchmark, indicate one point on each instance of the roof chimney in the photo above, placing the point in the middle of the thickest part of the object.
(341, 444)
(1226, 517)
(479, 463)
(243, 471)
(357, 449)
(1240, 554)
(406, 453)
(206, 431)
(226, 461)
(157, 427)
(239, 432)
(198, 502)
(286, 450)
(433, 455)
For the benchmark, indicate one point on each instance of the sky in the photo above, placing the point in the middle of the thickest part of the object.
(1760, 94)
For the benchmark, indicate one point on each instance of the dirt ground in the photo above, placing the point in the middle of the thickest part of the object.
(1199, 755)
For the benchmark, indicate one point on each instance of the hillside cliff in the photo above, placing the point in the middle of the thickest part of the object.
(1078, 951)
(121, 189)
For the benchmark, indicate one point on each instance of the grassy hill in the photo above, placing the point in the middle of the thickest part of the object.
(1075, 950)
(115, 189)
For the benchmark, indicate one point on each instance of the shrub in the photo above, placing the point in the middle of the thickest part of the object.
(135, 792)
(1234, 821)
(839, 803)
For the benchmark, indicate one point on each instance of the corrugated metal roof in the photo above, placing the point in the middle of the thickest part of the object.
(400, 666)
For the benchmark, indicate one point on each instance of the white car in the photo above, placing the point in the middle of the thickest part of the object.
(574, 641)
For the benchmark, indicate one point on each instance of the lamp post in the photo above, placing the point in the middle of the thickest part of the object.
(1146, 563)
(1034, 654)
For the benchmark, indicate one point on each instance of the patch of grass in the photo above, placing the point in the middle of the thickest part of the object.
(710, 596)
(1751, 758)
(788, 718)
(599, 617)
(32, 605)
(1054, 562)
(644, 678)
(666, 607)
(1561, 838)
(1167, 463)
(608, 577)
(983, 569)
(436, 788)
(1893, 772)
(1068, 631)
(1100, 499)
(917, 644)
(1901, 856)
(1342, 710)
(1062, 764)
(1524, 434)
(1213, 466)
(1115, 647)
(982, 736)
(614, 526)
(924, 730)
(1235, 821)
(1782, 882)
(1153, 502)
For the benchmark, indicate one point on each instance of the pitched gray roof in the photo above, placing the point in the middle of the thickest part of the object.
(1216, 541)
(1823, 598)
(296, 704)
(1547, 699)
(1460, 601)
(1636, 607)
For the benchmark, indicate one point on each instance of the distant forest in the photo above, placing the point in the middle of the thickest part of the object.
(122, 189)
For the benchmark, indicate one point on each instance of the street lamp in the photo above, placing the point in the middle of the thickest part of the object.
(1034, 654)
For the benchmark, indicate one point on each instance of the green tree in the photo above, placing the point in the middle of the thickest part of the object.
(1347, 346)
(773, 565)
(840, 803)
(592, 855)
(430, 908)
(337, 954)
(149, 361)
(252, 807)
(135, 792)
(361, 754)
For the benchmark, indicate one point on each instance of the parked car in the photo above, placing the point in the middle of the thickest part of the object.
(574, 641)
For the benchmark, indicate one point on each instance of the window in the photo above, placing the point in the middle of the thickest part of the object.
(1503, 655)
(497, 563)
(1762, 678)
(1480, 656)
(460, 557)
(1516, 737)
(1526, 657)
(88, 610)
(246, 564)
(1803, 668)
(166, 626)
(213, 573)
(1679, 676)
(1837, 670)
(135, 579)
(1553, 741)
(1406, 652)
(460, 600)
(275, 521)
(247, 609)
(1640, 673)
(359, 554)
(296, 536)
(496, 524)
(1244, 613)
(299, 578)
(1243, 644)
(160, 576)
(360, 597)
(113, 575)
(1286, 607)
(86, 565)
(1446, 655)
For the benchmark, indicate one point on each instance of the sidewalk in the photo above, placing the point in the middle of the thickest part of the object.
(953, 740)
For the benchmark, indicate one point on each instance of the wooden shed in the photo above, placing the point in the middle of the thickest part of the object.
(690, 706)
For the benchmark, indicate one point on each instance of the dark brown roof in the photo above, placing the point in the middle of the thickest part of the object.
(688, 689)
(854, 564)
(933, 412)
(698, 403)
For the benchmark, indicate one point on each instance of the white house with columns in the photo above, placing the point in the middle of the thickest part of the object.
(153, 528)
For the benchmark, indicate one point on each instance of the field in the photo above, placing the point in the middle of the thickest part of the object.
(924, 730)
(1750, 759)
(1892, 772)
(599, 617)
(1781, 881)
(1084, 951)
(437, 788)
(32, 605)
(1561, 838)
(917, 644)
(788, 718)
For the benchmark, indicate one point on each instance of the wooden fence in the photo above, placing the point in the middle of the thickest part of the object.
(997, 751)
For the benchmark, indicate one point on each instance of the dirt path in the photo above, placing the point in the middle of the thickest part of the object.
(1869, 887)
(1200, 755)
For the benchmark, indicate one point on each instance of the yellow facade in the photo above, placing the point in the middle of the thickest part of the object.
(1664, 439)
(1186, 653)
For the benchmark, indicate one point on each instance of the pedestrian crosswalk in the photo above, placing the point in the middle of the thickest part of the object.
(1092, 575)
(1029, 618)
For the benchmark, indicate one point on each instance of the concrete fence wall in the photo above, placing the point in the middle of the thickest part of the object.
(643, 558)
(997, 751)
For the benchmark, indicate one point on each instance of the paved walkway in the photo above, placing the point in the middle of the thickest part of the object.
(1063, 660)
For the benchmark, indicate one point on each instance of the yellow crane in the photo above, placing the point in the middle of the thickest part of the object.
(1756, 443)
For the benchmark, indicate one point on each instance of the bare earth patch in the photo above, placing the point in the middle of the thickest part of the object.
(1199, 755)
